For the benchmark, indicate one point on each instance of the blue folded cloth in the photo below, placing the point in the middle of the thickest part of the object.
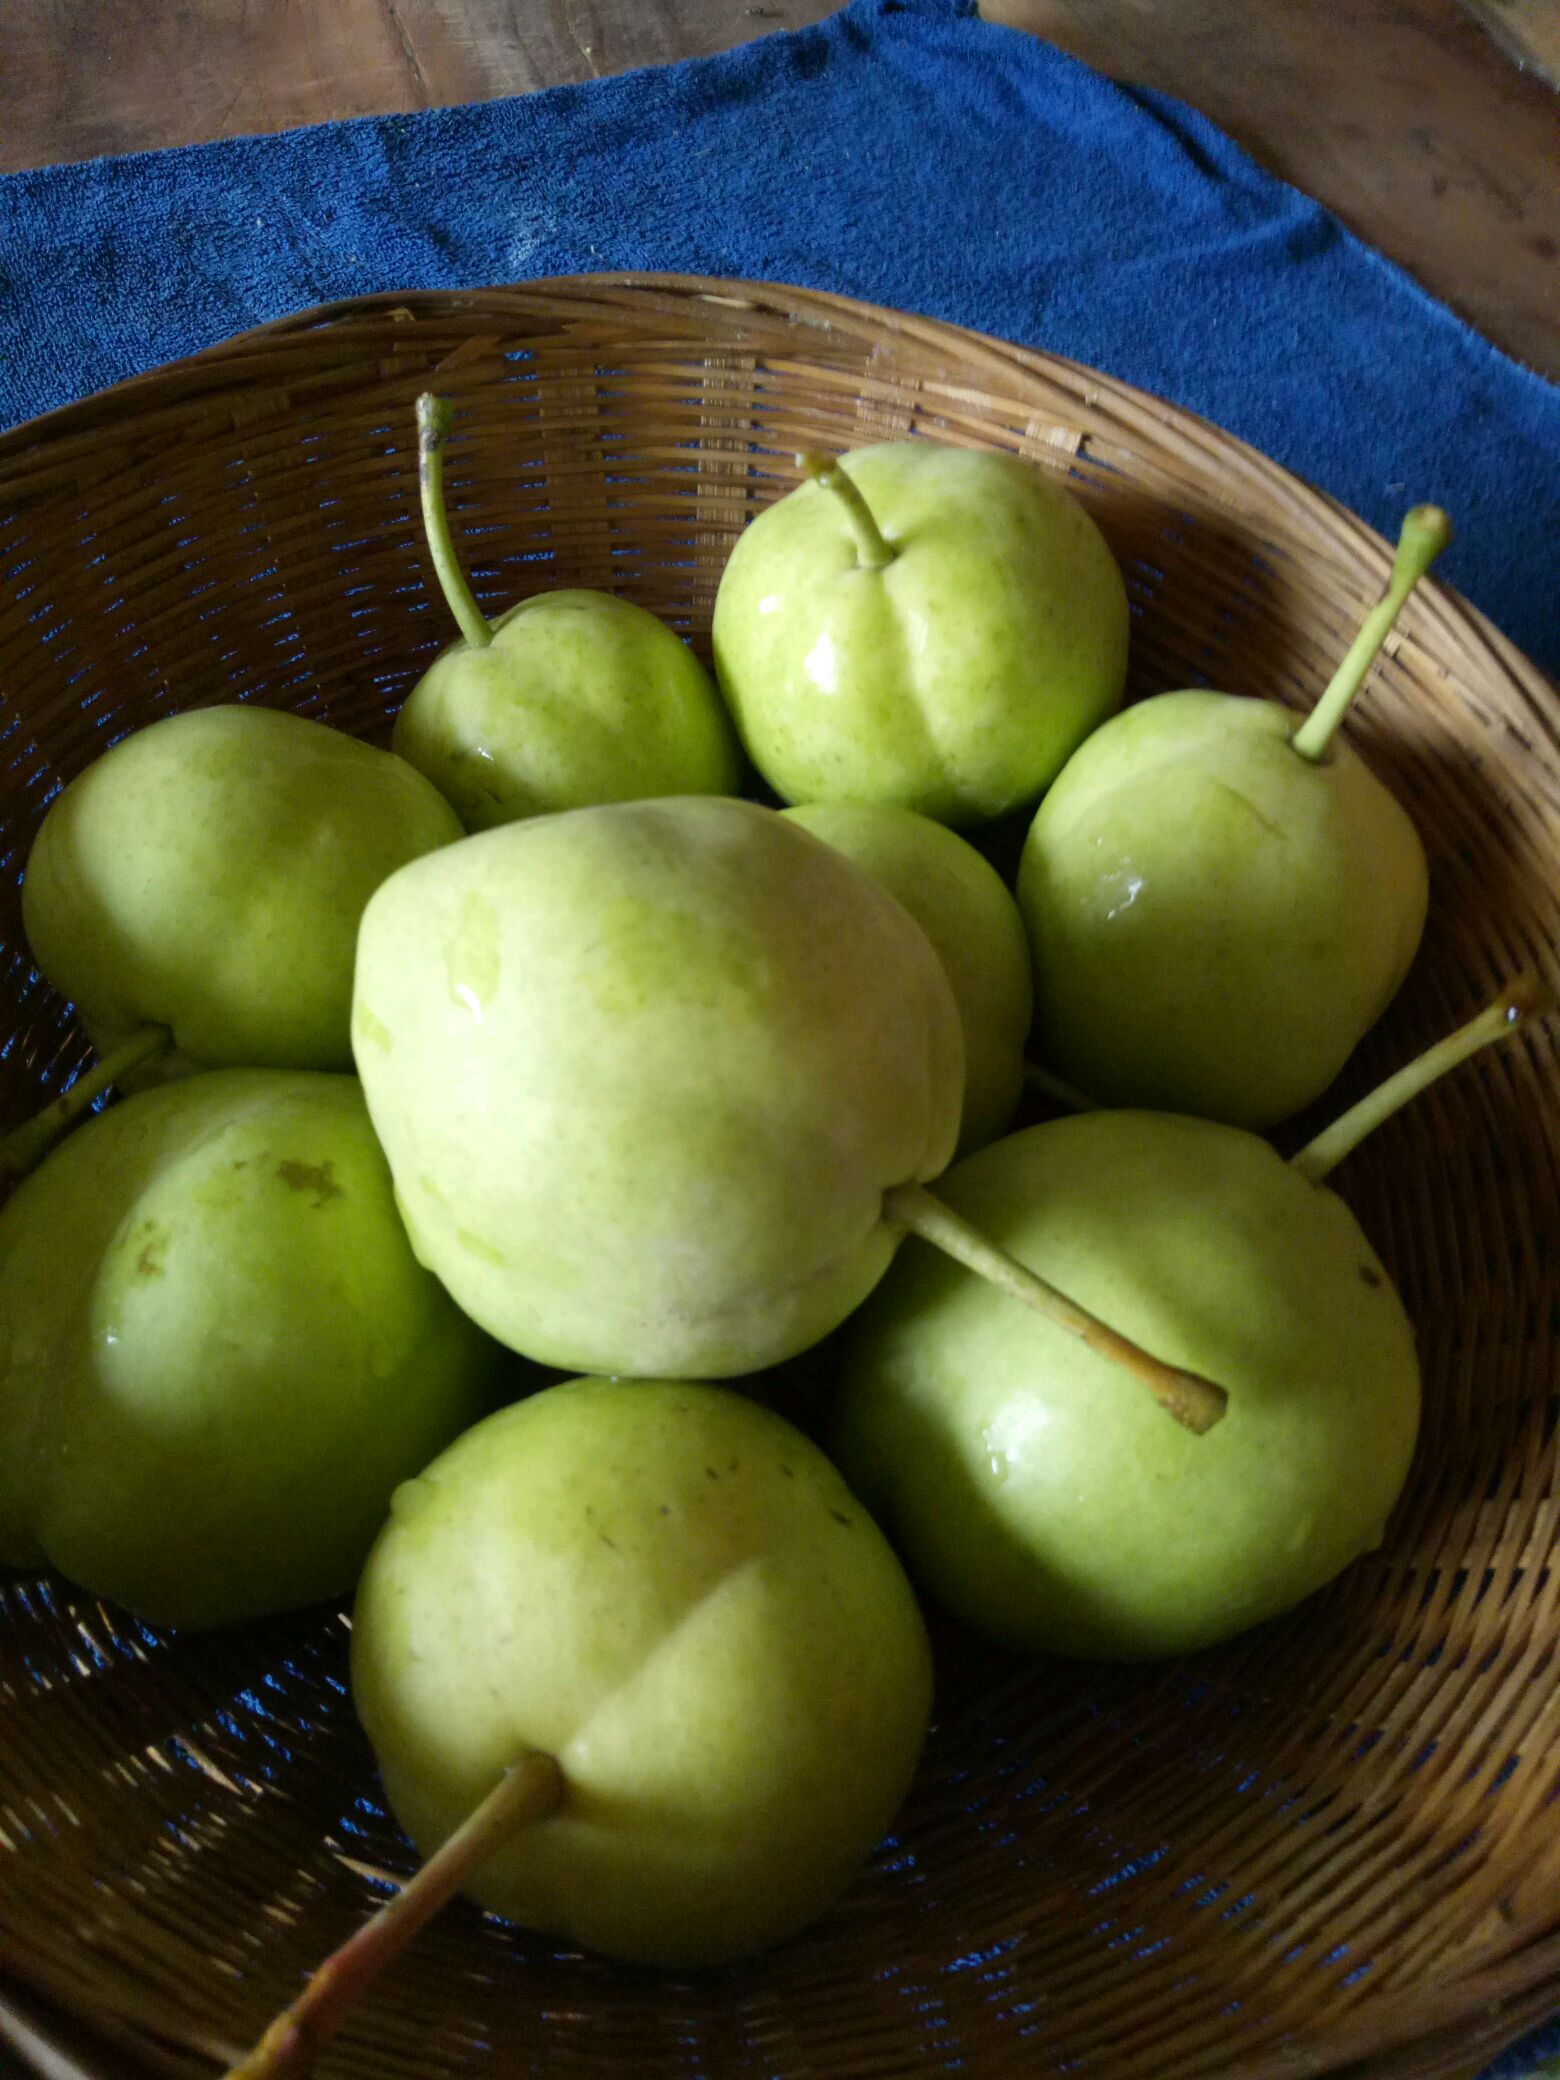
(902, 151)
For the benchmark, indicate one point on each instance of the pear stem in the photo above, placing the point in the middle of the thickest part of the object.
(435, 416)
(1527, 999)
(1059, 1092)
(528, 1791)
(1424, 534)
(1196, 1403)
(26, 1146)
(829, 473)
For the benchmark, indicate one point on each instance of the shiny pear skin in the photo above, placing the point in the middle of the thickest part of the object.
(1215, 920)
(954, 681)
(218, 1355)
(208, 873)
(1035, 1490)
(579, 698)
(670, 1591)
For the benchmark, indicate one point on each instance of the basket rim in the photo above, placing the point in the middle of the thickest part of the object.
(826, 310)
(1496, 1993)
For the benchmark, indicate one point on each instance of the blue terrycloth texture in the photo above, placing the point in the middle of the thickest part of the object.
(902, 151)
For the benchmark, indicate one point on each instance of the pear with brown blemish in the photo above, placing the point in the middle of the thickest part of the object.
(218, 1355)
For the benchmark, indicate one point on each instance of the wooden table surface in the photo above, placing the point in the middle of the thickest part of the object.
(1403, 116)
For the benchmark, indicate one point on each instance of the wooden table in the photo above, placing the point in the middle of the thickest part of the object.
(1404, 116)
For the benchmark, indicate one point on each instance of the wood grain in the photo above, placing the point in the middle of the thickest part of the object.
(82, 77)
(1528, 30)
(1407, 122)
(1400, 115)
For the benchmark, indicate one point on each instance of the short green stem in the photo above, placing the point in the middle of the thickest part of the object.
(829, 473)
(1424, 534)
(1527, 999)
(434, 419)
(1196, 1403)
(26, 1146)
(529, 1791)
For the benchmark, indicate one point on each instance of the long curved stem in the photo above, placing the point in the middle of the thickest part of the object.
(1424, 534)
(434, 419)
(830, 474)
(1196, 1403)
(1527, 999)
(530, 1790)
(27, 1145)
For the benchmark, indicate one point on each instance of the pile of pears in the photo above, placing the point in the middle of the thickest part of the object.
(624, 1030)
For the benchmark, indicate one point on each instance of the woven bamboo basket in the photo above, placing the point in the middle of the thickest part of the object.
(1326, 1849)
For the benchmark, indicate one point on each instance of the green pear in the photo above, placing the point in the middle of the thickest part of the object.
(933, 627)
(644, 1072)
(959, 901)
(218, 1355)
(1052, 1510)
(206, 875)
(670, 1592)
(567, 699)
(659, 1083)
(1220, 903)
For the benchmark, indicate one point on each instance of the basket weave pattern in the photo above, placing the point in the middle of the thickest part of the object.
(1327, 1848)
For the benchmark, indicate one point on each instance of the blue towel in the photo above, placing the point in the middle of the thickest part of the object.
(901, 151)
